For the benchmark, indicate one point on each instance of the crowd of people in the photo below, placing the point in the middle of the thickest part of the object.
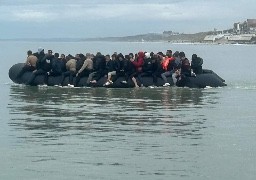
(154, 65)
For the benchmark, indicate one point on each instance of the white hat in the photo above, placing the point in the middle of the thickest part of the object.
(147, 55)
(40, 49)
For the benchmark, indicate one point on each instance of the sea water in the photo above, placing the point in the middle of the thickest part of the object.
(140, 133)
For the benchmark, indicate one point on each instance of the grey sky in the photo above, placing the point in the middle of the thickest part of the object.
(101, 18)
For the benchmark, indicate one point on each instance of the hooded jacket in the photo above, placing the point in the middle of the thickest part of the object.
(139, 62)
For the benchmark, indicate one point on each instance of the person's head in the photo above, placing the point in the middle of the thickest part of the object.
(160, 55)
(40, 50)
(194, 56)
(77, 56)
(49, 52)
(131, 55)
(29, 52)
(176, 54)
(56, 55)
(147, 55)
(88, 55)
(81, 56)
(62, 56)
(169, 53)
(127, 57)
(107, 57)
(141, 54)
(98, 54)
(113, 56)
(182, 55)
(120, 56)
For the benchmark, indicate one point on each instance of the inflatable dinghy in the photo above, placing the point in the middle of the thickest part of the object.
(207, 78)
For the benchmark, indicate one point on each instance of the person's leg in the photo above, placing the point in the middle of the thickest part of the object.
(163, 75)
(64, 75)
(71, 76)
(90, 77)
(140, 79)
(34, 74)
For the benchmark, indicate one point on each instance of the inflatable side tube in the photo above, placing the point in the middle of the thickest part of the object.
(209, 78)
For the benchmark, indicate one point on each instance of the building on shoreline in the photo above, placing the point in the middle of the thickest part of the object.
(242, 33)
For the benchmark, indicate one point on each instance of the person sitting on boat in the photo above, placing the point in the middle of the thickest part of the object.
(99, 64)
(196, 64)
(110, 68)
(138, 63)
(86, 68)
(129, 70)
(30, 64)
(167, 66)
(185, 72)
(57, 66)
(70, 71)
(147, 67)
(176, 65)
(43, 66)
(80, 58)
(157, 66)
(64, 61)
(119, 66)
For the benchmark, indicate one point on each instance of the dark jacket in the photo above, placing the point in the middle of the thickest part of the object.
(110, 66)
(99, 63)
(57, 66)
(196, 61)
(148, 65)
(129, 67)
(45, 63)
(40, 55)
(196, 64)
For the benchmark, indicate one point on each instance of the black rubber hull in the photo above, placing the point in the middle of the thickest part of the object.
(208, 78)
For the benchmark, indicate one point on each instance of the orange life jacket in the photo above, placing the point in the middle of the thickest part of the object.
(166, 62)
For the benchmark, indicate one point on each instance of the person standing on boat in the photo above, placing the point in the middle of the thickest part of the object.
(30, 64)
(43, 66)
(86, 68)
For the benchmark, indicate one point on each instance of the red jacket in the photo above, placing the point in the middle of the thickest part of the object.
(139, 62)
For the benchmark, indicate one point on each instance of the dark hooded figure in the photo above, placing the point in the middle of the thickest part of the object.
(196, 64)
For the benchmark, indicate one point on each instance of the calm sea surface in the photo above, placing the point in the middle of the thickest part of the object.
(160, 133)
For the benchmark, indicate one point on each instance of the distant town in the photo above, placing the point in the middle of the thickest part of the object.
(240, 33)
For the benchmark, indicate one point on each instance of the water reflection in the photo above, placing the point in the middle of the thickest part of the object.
(116, 131)
(175, 111)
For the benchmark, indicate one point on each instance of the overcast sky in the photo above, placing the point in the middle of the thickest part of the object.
(102, 18)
